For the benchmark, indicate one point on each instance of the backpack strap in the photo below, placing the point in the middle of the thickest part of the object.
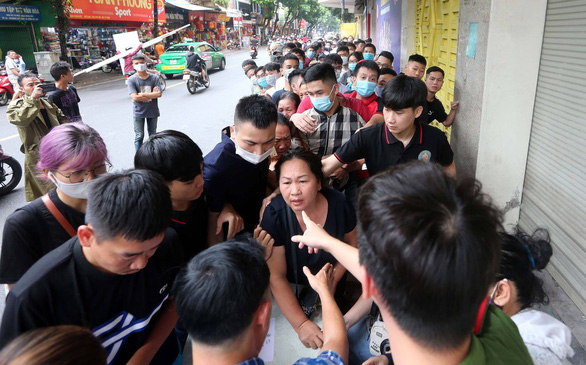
(58, 215)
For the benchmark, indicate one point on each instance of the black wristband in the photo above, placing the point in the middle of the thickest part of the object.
(389, 357)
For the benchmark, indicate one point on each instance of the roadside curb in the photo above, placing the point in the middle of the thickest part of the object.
(96, 84)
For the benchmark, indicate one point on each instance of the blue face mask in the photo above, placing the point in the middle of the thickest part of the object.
(379, 91)
(300, 65)
(349, 86)
(351, 66)
(323, 104)
(310, 54)
(365, 88)
(368, 56)
(262, 82)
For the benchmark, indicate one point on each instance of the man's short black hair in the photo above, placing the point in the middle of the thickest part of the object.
(435, 69)
(388, 55)
(59, 69)
(333, 58)
(139, 56)
(432, 246)
(191, 49)
(404, 92)
(298, 52)
(358, 41)
(248, 62)
(370, 45)
(251, 67)
(220, 290)
(288, 56)
(272, 66)
(295, 74)
(388, 71)
(323, 72)
(417, 58)
(133, 204)
(371, 65)
(172, 154)
(26, 75)
(256, 109)
(290, 45)
(343, 49)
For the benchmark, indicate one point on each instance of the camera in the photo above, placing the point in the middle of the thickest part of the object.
(379, 339)
(47, 87)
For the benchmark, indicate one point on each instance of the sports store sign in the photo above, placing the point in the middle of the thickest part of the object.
(116, 10)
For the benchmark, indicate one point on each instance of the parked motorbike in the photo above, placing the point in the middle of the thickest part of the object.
(233, 45)
(253, 52)
(193, 79)
(6, 90)
(10, 173)
(112, 66)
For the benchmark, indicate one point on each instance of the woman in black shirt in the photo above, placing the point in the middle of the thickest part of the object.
(301, 184)
(70, 155)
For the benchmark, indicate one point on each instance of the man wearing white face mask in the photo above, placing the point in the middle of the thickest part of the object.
(236, 171)
(289, 63)
(144, 90)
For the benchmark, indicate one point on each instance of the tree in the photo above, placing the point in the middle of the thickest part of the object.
(61, 9)
(269, 7)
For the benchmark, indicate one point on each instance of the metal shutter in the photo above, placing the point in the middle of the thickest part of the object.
(554, 195)
(436, 39)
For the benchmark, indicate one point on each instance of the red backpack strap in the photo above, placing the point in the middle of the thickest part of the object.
(58, 216)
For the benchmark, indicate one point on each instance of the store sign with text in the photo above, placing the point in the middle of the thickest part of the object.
(116, 10)
(23, 13)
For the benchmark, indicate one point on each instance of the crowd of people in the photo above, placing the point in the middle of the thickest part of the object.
(330, 173)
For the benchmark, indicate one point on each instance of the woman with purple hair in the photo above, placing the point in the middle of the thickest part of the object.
(71, 155)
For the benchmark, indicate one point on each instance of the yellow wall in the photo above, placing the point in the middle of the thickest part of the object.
(436, 38)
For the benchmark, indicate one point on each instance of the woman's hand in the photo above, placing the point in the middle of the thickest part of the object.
(310, 335)
(264, 238)
(314, 237)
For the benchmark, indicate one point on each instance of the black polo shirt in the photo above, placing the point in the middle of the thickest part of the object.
(382, 150)
(228, 178)
(436, 111)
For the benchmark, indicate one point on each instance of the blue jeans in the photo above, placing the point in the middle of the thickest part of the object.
(139, 129)
(358, 341)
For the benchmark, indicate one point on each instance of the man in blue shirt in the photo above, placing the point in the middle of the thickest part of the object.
(227, 331)
(237, 169)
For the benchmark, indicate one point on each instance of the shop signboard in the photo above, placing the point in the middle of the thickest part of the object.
(388, 28)
(116, 10)
(22, 13)
(212, 16)
(223, 18)
(196, 16)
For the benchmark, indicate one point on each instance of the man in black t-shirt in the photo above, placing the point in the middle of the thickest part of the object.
(114, 277)
(434, 80)
(65, 95)
(400, 138)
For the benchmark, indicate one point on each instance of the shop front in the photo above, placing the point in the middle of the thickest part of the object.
(207, 27)
(93, 24)
(20, 28)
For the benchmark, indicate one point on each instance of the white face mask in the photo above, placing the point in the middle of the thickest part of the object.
(252, 157)
(272, 80)
(140, 67)
(254, 80)
(77, 190)
(344, 61)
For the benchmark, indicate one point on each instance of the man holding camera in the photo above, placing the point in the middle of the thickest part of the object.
(34, 115)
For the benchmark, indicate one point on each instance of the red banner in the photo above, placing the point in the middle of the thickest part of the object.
(116, 10)
(196, 16)
(212, 16)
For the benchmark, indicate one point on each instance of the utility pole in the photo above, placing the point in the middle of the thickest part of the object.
(241, 22)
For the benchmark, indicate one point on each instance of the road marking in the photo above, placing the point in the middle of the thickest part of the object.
(231, 66)
(9, 137)
(177, 84)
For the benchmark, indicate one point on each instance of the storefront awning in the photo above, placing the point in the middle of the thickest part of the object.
(184, 4)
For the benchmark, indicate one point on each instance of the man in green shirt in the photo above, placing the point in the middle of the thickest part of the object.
(429, 250)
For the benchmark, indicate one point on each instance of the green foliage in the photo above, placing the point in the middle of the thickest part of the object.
(348, 17)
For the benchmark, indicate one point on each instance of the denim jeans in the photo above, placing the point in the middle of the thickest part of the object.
(139, 129)
(358, 340)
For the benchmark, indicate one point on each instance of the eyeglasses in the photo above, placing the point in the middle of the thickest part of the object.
(81, 175)
(382, 65)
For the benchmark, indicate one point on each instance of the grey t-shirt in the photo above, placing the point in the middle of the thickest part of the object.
(144, 109)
